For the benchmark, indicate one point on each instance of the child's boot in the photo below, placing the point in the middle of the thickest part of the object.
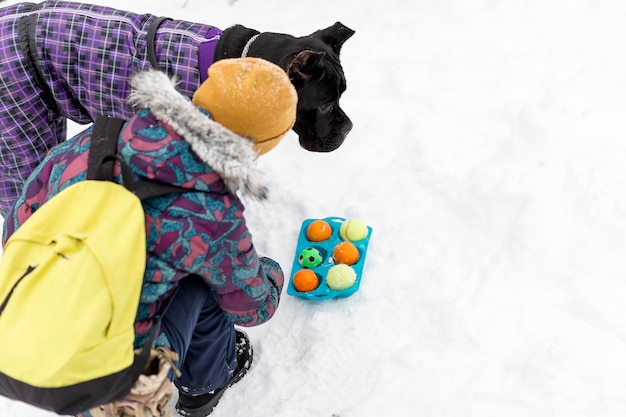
(203, 405)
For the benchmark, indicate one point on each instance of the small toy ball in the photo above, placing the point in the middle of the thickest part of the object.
(318, 231)
(353, 230)
(310, 258)
(305, 280)
(340, 277)
(346, 253)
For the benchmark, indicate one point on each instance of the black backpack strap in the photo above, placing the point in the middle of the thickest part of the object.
(149, 189)
(103, 155)
(142, 355)
(145, 349)
(103, 144)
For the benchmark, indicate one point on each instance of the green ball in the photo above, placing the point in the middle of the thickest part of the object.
(353, 230)
(340, 277)
(310, 258)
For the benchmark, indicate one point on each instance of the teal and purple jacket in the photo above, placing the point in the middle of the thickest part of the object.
(202, 231)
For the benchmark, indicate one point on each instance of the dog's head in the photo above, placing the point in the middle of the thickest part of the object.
(312, 63)
(319, 79)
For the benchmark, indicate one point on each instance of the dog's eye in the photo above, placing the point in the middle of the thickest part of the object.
(326, 108)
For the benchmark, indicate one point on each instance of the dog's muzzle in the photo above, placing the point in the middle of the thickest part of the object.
(322, 132)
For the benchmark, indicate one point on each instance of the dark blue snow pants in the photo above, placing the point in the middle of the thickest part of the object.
(205, 341)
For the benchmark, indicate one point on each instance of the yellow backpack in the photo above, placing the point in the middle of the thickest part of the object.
(70, 284)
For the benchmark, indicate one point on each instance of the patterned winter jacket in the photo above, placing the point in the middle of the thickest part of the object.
(200, 232)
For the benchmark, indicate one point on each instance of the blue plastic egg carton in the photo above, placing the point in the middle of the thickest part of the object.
(323, 291)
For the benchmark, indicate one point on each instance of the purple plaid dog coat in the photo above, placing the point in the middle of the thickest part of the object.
(63, 60)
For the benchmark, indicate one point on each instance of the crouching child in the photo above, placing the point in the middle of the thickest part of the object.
(197, 241)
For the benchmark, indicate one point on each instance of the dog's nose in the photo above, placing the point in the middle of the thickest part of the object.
(347, 127)
(322, 132)
(327, 143)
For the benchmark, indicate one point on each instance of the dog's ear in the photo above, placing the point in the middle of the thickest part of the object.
(334, 36)
(302, 66)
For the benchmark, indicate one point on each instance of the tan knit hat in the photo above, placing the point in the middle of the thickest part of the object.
(252, 97)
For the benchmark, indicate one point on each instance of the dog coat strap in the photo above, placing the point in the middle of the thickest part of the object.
(150, 40)
(27, 32)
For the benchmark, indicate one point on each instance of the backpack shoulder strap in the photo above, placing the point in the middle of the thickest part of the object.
(103, 154)
(103, 143)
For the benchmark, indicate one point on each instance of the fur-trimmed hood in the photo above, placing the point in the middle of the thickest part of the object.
(231, 156)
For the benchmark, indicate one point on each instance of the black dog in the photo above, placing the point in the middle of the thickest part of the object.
(312, 63)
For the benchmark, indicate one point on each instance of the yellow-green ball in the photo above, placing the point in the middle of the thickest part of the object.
(340, 277)
(353, 230)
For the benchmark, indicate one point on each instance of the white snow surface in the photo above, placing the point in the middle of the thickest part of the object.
(489, 156)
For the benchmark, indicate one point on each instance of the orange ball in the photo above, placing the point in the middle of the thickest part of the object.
(305, 280)
(346, 253)
(318, 231)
